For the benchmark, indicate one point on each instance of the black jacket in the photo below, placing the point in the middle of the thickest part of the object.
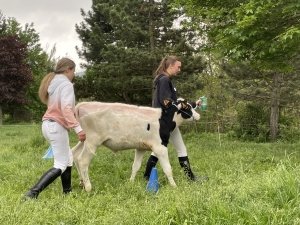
(163, 89)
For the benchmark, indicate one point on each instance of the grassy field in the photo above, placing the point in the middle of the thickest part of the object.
(249, 183)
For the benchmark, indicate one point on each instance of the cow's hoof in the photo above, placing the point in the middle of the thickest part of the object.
(81, 184)
(88, 187)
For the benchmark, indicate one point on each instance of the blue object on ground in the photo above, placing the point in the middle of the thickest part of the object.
(153, 181)
(49, 153)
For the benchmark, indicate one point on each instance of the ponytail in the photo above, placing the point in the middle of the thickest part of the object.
(43, 90)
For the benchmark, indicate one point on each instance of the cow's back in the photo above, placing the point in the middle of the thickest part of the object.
(119, 126)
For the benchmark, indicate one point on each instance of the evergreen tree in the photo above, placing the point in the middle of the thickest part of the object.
(123, 42)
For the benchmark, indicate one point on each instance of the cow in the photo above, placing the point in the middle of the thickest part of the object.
(119, 126)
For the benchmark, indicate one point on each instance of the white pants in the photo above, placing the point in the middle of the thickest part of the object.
(177, 142)
(58, 137)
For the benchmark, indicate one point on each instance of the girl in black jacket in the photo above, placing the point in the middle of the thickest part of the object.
(170, 66)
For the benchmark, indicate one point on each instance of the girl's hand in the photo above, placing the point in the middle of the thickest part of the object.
(199, 102)
(81, 136)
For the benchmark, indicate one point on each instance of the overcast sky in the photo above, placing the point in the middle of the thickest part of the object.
(53, 20)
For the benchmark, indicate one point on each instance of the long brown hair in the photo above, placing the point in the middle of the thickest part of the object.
(164, 64)
(62, 65)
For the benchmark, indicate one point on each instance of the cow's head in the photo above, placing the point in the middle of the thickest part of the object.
(173, 115)
(186, 110)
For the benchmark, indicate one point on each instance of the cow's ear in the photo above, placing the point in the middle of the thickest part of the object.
(168, 102)
(185, 104)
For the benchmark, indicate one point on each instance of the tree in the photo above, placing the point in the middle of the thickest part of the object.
(51, 59)
(15, 75)
(263, 34)
(37, 63)
(123, 43)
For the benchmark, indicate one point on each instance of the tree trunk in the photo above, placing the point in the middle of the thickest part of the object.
(152, 42)
(275, 99)
(151, 26)
(1, 115)
(126, 98)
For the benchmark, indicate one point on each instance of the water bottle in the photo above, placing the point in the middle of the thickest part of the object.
(203, 104)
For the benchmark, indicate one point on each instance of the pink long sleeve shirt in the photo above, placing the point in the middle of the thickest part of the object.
(61, 103)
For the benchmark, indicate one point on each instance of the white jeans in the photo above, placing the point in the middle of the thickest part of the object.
(58, 137)
(177, 142)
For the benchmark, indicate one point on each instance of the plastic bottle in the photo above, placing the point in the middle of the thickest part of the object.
(203, 105)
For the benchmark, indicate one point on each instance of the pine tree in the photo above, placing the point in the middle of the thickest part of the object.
(123, 43)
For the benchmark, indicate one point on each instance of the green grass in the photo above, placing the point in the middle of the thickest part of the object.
(250, 183)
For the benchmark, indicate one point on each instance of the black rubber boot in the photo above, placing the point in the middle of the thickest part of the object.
(43, 182)
(152, 161)
(185, 164)
(66, 180)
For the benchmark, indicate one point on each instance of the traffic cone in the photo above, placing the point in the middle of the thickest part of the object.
(153, 181)
(49, 153)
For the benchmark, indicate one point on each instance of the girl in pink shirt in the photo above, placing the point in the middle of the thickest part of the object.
(56, 90)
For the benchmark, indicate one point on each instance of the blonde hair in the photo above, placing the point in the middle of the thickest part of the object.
(164, 65)
(62, 65)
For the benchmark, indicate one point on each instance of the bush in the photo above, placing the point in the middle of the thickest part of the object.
(252, 123)
(7, 119)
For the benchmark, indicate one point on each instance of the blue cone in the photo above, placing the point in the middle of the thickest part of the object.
(153, 181)
(49, 153)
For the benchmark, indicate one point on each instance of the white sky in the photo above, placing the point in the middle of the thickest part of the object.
(53, 20)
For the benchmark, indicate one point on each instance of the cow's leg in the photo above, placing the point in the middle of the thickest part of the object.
(76, 152)
(163, 158)
(84, 160)
(139, 154)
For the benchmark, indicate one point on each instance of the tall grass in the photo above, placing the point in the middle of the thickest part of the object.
(250, 183)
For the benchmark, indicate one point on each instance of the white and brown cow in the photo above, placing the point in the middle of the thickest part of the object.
(121, 126)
